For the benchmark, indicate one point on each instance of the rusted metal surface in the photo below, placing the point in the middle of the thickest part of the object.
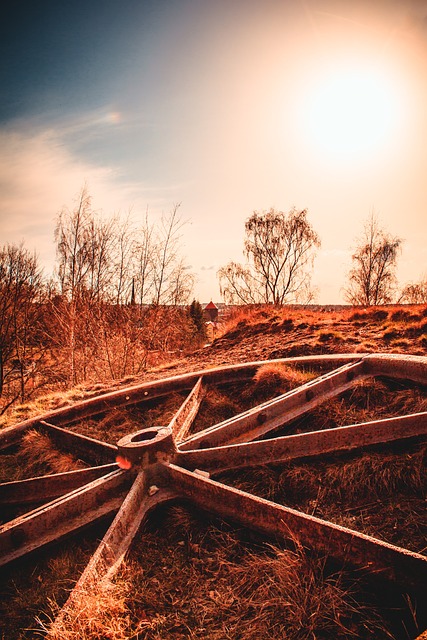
(345, 545)
(141, 499)
(146, 447)
(151, 390)
(277, 412)
(79, 445)
(412, 368)
(186, 414)
(304, 445)
(44, 488)
(157, 466)
(62, 516)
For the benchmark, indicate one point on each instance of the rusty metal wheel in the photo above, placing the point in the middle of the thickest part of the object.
(162, 463)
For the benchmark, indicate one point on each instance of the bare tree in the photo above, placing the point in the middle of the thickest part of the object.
(72, 247)
(72, 254)
(123, 282)
(414, 293)
(84, 251)
(372, 278)
(238, 285)
(85, 271)
(279, 249)
(144, 263)
(172, 282)
(102, 237)
(21, 321)
(103, 266)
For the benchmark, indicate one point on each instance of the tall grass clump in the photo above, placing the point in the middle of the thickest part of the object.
(276, 378)
(191, 577)
(37, 455)
(100, 611)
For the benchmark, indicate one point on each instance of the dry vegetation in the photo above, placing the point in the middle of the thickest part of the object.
(293, 331)
(191, 576)
(209, 580)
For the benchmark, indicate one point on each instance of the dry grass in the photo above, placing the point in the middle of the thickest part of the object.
(270, 380)
(381, 493)
(278, 378)
(29, 586)
(48, 402)
(315, 330)
(367, 400)
(37, 455)
(115, 424)
(286, 331)
(217, 405)
(99, 612)
(192, 578)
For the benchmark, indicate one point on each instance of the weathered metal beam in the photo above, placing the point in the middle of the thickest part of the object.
(378, 558)
(186, 414)
(51, 486)
(275, 413)
(397, 366)
(78, 444)
(149, 390)
(304, 445)
(141, 499)
(62, 516)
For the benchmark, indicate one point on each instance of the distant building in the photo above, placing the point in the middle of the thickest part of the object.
(210, 330)
(210, 312)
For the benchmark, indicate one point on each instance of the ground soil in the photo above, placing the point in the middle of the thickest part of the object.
(264, 333)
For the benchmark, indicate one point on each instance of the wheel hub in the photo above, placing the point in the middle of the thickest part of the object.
(145, 447)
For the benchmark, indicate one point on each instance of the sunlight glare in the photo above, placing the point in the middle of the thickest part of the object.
(349, 112)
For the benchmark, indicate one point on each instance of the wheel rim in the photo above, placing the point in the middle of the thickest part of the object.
(165, 463)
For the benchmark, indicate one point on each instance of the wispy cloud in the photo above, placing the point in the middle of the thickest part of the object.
(40, 175)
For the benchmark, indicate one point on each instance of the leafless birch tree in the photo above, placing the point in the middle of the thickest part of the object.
(414, 293)
(172, 282)
(372, 278)
(115, 280)
(279, 249)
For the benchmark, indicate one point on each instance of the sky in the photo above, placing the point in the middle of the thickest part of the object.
(224, 106)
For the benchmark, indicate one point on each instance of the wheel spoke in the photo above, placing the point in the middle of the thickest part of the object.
(345, 545)
(185, 416)
(51, 486)
(77, 444)
(270, 415)
(304, 445)
(62, 516)
(106, 560)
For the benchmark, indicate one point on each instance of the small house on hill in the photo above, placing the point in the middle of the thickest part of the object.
(211, 312)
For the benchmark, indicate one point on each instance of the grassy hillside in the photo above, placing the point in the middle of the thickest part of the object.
(190, 575)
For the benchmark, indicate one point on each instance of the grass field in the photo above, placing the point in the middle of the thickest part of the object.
(190, 575)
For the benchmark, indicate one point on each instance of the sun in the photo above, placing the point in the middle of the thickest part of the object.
(350, 111)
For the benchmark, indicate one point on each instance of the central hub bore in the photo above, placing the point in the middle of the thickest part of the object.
(145, 447)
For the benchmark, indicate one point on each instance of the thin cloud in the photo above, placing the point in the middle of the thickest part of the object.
(39, 176)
